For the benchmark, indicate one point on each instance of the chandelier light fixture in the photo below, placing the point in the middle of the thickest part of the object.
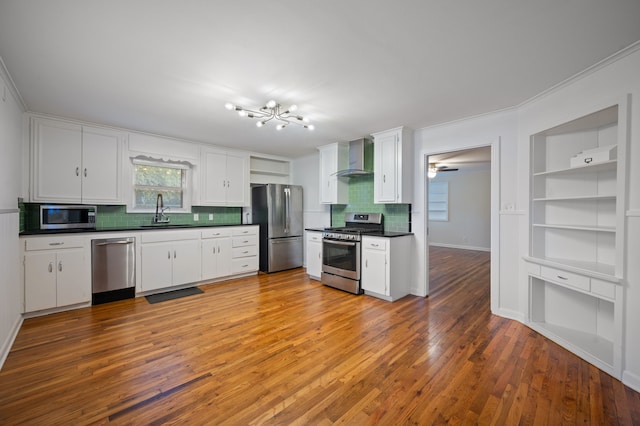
(273, 111)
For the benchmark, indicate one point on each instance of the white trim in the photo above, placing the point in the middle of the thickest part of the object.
(4, 73)
(9, 211)
(626, 51)
(457, 246)
(633, 213)
(512, 212)
(632, 380)
(510, 314)
(8, 343)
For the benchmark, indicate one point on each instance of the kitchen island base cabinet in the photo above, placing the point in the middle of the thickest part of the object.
(385, 267)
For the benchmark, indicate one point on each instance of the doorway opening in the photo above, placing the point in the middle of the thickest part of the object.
(461, 211)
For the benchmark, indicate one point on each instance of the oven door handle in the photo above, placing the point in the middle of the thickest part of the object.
(342, 243)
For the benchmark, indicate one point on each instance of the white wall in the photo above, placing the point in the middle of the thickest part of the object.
(11, 291)
(602, 86)
(498, 130)
(305, 171)
(469, 223)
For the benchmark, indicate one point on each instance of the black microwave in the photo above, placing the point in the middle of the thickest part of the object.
(67, 217)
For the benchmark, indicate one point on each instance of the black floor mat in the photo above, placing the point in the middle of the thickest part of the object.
(175, 294)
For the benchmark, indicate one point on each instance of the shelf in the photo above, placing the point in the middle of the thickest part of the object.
(591, 168)
(601, 271)
(577, 198)
(610, 229)
(269, 172)
(591, 346)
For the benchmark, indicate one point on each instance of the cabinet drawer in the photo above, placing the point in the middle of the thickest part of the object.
(314, 237)
(244, 251)
(377, 244)
(559, 276)
(247, 240)
(216, 233)
(244, 230)
(52, 243)
(245, 264)
(603, 288)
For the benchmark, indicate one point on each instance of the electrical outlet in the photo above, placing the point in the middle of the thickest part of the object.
(196, 217)
(210, 216)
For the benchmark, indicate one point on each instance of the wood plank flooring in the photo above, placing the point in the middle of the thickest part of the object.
(282, 349)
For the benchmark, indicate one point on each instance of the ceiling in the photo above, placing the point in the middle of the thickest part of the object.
(353, 67)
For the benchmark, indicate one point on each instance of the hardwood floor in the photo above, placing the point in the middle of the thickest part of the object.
(282, 349)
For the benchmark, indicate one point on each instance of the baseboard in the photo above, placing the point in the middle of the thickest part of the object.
(510, 314)
(456, 246)
(6, 345)
(631, 380)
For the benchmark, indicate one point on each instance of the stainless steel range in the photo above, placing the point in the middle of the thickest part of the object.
(341, 250)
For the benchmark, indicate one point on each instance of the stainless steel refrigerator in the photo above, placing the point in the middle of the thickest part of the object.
(277, 208)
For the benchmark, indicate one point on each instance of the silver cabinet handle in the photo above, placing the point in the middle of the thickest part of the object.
(375, 245)
(77, 171)
(60, 266)
(384, 178)
(168, 254)
(174, 254)
(218, 249)
(50, 267)
(245, 252)
(85, 172)
(366, 263)
(245, 266)
(56, 244)
(562, 278)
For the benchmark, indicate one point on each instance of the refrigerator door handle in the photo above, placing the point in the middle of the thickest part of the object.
(287, 209)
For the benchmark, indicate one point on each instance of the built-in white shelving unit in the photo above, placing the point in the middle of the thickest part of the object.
(576, 254)
(268, 170)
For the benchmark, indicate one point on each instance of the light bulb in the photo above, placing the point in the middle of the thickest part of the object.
(310, 127)
(271, 104)
(242, 113)
(431, 173)
(259, 123)
(293, 108)
(280, 127)
(228, 106)
(305, 119)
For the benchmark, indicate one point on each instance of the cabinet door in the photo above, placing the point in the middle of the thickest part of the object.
(237, 181)
(156, 263)
(214, 179)
(72, 282)
(57, 161)
(39, 281)
(224, 257)
(210, 259)
(314, 258)
(385, 173)
(101, 159)
(328, 183)
(186, 261)
(374, 271)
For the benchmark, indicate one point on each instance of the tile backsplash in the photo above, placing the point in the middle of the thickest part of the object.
(117, 217)
(397, 217)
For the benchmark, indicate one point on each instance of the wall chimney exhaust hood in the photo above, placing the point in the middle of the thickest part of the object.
(357, 166)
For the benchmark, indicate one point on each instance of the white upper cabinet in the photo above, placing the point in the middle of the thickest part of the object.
(333, 157)
(75, 164)
(393, 166)
(224, 178)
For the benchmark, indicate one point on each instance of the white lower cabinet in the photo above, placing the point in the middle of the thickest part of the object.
(244, 254)
(170, 258)
(216, 253)
(314, 254)
(55, 273)
(385, 267)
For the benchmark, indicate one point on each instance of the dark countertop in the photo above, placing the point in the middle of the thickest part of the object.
(385, 234)
(124, 229)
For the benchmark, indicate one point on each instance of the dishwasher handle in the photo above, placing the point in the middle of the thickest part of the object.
(106, 243)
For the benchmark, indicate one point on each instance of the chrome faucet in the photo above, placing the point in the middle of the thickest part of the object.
(160, 217)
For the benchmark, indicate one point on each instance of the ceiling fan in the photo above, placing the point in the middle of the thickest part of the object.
(434, 169)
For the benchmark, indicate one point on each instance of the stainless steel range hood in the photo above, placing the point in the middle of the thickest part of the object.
(357, 165)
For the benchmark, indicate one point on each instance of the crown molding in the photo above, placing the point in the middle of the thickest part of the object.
(632, 48)
(4, 73)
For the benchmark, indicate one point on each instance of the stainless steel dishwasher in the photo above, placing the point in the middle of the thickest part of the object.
(113, 269)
